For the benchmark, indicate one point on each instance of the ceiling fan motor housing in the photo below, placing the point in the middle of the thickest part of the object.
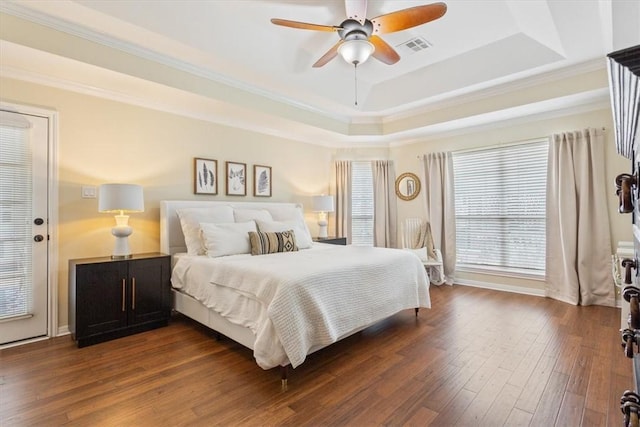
(354, 30)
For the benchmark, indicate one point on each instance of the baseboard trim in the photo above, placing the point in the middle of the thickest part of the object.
(63, 330)
(500, 287)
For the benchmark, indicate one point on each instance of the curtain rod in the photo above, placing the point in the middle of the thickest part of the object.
(526, 141)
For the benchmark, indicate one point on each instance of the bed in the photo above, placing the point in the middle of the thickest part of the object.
(293, 298)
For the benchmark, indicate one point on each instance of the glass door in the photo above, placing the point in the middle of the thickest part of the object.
(24, 233)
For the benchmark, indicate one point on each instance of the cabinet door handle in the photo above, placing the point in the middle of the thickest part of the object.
(123, 294)
(133, 293)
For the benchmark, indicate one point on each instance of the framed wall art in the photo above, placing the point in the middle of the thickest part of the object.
(205, 176)
(261, 181)
(236, 179)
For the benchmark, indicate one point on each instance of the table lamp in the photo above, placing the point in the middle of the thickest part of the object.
(322, 204)
(121, 199)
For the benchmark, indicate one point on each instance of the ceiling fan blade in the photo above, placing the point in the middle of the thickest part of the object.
(407, 18)
(331, 53)
(304, 25)
(356, 9)
(383, 51)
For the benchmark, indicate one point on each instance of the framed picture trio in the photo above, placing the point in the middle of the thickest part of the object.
(205, 179)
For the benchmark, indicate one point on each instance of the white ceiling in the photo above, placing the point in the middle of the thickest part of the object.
(476, 45)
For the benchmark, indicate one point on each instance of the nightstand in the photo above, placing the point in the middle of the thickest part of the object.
(112, 298)
(331, 240)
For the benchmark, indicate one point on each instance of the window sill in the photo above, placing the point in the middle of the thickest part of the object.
(502, 271)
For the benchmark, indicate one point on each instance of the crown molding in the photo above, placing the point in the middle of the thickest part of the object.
(558, 107)
(454, 99)
(593, 100)
(113, 43)
(230, 120)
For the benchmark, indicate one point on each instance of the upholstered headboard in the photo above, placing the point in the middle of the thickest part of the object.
(171, 237)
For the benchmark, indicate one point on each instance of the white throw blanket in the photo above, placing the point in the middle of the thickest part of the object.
(312, 298)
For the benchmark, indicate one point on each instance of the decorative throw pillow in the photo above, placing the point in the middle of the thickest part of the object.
(227, 238)
(272, 242)
(300, 230)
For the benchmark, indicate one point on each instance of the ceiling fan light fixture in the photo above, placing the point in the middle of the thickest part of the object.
(356, 51)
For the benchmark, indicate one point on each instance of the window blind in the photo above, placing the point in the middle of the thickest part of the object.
(500, 197)
(15, 226)
(361, 204)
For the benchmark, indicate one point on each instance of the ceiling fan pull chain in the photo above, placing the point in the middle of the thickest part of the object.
(355, 79)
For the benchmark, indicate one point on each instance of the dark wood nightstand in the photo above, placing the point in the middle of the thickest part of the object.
(331, 240)
(112, 298)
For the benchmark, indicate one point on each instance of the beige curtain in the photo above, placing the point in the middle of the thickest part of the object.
(343, 199)
(384, 204)
(440, 200)
(578, 243)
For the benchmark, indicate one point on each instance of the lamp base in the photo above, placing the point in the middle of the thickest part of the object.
(121, 249)
(322, 231)
(322, 225)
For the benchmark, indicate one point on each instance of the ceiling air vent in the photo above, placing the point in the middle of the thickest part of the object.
(413, 45)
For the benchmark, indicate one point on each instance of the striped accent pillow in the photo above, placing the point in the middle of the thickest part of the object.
(272, 242)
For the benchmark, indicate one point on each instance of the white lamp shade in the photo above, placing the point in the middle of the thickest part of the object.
(323, 203)
(120, 197)
(356, 51)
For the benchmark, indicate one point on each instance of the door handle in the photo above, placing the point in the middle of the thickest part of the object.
(628, 264)
(625, 184)
(631, 294)
(38, 237)
(123, 293)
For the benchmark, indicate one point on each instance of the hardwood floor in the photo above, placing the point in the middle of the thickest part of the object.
(477, 358)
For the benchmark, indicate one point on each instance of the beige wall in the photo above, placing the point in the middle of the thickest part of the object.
(406, 160)
(104, 141)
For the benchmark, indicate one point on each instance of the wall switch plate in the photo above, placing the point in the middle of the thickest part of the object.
(88, 192)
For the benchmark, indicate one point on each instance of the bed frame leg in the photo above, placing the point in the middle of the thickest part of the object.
(284, 372)
(417, 309)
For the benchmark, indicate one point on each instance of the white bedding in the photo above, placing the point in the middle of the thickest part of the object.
(296, 302)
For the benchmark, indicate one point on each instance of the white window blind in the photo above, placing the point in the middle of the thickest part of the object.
(500, 201)
(15, 227)
(361, 204)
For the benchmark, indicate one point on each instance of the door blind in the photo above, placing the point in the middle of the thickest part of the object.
(500, 197)
(361, 204)
(15, 213)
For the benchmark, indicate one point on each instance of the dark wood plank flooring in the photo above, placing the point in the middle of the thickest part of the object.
(477, 358)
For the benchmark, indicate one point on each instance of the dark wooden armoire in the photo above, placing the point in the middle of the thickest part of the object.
(624, 83)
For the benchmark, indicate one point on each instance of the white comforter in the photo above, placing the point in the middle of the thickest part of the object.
(297, 302)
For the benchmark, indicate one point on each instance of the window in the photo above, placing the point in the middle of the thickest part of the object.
(500, 207)
(15, 233)
(361, 204)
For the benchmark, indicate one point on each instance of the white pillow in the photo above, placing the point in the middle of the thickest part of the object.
(244, 215)
(190, 219)
(420, 253)
(303, 236)
(286, 213)
(230, 238)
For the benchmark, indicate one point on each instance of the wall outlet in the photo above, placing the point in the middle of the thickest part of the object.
(88, 192)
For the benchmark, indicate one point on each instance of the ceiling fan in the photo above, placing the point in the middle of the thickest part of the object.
(359, 36)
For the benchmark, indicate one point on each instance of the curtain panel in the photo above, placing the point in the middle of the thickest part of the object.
(440, 200)
(578, 252)
(343, 199)
(384, 204)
